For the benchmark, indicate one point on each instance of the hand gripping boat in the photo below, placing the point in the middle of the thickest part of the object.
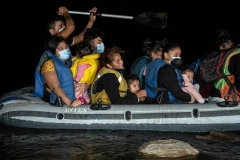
(21, 108)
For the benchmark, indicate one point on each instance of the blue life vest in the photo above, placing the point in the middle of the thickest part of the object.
(64, 76)
(195, 65)
(138, 66)
(151, 85)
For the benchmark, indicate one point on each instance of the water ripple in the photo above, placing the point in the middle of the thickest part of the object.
(19, 143)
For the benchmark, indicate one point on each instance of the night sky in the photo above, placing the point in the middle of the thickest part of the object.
(193, 24)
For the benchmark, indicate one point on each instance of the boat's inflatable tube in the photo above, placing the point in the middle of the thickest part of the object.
(21, 108)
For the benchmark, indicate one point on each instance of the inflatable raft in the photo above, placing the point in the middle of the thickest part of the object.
(21, 108)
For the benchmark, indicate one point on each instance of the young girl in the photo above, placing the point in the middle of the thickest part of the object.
(188, 87)
(133, 83)
(84, 70)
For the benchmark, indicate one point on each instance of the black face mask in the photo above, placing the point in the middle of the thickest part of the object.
(176, 62)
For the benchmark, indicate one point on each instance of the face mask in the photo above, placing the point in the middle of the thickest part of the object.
(100, 48)
(64, 54)
(60, 30)
(176, 61)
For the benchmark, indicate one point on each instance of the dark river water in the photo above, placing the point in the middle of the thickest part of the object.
(21, 143)
(196, 34)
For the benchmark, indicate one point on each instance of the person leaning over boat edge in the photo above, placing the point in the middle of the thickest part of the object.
(110, 85)
(53, 77)
(163, 78)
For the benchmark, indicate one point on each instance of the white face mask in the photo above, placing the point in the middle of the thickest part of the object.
(64, 54)
(60, 30)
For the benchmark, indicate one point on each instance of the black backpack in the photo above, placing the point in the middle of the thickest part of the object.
(212, 69)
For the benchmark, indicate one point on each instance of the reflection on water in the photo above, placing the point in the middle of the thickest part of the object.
(21, 143)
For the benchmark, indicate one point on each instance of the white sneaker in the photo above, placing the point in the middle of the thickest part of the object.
(215, 99)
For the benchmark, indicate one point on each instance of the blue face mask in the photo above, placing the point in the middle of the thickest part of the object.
(64, 54)
(100, 48)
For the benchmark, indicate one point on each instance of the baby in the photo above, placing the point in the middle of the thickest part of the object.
(188, 75)
(133, 83)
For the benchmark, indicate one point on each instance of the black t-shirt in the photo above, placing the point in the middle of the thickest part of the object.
(68, 40)
(110, 84)
(167, 78)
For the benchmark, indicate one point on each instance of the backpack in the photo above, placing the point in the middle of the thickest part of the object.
(211, 69)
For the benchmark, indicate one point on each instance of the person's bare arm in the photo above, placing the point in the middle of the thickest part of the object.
(80, 37)
(69, 23)
(52, 81)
